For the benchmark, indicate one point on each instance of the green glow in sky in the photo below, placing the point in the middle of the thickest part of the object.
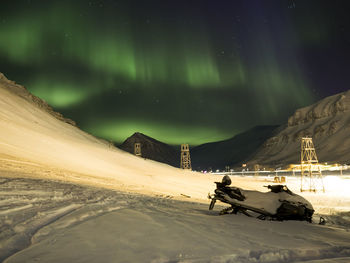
(179, 75)
(168, 133)
(37, 37)
(201, 71)
(58, 94)
(20, 42)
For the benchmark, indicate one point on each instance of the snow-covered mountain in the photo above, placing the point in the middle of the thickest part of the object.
(327, 122)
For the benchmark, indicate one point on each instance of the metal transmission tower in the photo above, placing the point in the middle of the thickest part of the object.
(185, 157)
(311, 175)
(137, 149)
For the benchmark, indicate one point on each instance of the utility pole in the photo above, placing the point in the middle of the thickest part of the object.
(185, 162)
(311, 175)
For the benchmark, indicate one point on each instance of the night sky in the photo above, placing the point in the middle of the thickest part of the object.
(180, 71)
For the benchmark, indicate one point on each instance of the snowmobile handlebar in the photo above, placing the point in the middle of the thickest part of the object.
(220, 185)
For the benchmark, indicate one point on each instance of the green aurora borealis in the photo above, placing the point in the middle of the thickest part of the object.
(178, 71)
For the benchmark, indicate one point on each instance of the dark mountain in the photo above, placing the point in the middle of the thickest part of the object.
(214, 155)
(152, 149)
(232, 152)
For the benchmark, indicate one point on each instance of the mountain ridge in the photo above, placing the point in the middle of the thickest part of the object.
(152, 149)
(212, 155)
(326, 121)
(233, 151)
(22, 92)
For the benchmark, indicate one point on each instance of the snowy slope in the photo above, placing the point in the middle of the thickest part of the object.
(327, 122)
(32, 135)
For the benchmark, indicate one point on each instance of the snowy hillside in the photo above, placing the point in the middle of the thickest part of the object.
(32, 137)
(327, 122)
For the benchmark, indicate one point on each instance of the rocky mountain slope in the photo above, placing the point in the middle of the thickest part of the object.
(152, 149)
(327, 122)
(22, 92)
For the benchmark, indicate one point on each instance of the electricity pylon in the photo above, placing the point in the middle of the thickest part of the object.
(311, 174)
(137, 149)
(185, 162)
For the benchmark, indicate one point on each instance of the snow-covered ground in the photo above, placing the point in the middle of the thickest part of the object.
(66, 196)
(52, 221)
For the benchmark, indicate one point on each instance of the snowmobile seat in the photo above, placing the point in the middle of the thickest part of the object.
(232, 192)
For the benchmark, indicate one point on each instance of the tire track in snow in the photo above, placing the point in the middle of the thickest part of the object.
(27, 206)
(26, 231)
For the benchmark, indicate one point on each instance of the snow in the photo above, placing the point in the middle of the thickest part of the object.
(88, 224)
(66, 196)
(74, 223)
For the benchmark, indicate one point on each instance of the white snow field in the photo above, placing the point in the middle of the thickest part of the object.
(66, 196)
(51, 221)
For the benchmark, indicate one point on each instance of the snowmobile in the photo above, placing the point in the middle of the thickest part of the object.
(278, 204)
